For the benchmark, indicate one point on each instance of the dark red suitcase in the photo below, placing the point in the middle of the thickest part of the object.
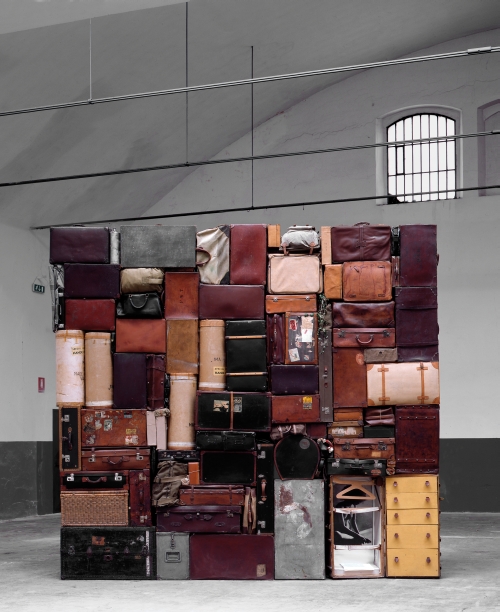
(155, 375)
(362, 242)
(200, 519)
(181, 295)
(79, 245)
(248, 256)
(90, 315)
(417, 439)
(359, 314)
(294, 379)
(231, 302)
(130, 388)
(418, 256)
(231, 557)
(417, 326)
(140, 498)
(275, 338)
(91, 281)
(349, 378)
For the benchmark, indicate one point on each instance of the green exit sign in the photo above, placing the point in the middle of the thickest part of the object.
(38, 288)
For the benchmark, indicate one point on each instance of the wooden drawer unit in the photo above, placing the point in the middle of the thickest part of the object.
(412, 484)
(415, 563)
(418, 516)
(412, 536)
(409, 501)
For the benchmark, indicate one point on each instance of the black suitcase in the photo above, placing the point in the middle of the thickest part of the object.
(228, 467)
(297, 457)
(243, 411)
(179, 456)
(378, 431)
(246, 361)
(265, 488)
(108, 553)
(130, 381)
(225, 440)
(357, 467)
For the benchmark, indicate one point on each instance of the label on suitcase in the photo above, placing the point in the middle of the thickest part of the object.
(200, 519)
(69, 438)
(225, 440)
(222, 467)
(301, 330)
(224, 411)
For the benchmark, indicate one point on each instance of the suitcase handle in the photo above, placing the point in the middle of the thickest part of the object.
(263, 484)
(69, 438)
(109, 460)
(200, 264)
(130, 299)
(367, 342)
(92, 481)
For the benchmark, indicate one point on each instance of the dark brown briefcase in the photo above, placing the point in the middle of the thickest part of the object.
(79, 245)
(155, 379)
(417, 439)
(225, 467)
(363, 315)
(275, 339)
(248, 255)
(362, 242)
(104, 427)
(349, 379)
(200, 519)
(294, 379)
(417, 326)
(141, 336)
(231, 302)
(91, 281)
(130, 376)
(362, 337)
(90, 315)
(295, 409)
(231, 557)
(140, 498)
(418, 256)
(325, 361)
(367, 281)
(181, 295)
(212, 495)
(99, 459)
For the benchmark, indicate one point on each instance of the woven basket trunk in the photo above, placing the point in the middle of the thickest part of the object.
(103, 508)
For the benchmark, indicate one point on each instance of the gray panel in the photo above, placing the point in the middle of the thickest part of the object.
(18, 479)
(299, 529)
(153, 246)
(172, 551)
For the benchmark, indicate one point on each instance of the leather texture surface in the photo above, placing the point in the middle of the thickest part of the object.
(294, 379)
(265, 488)
(223, 467)
(364, 336)
(418, 259)
(79, 245)
(333, 282)
(141, 336)
(182, 346)
(291, 303)
(416, 316)
(129, 381)
(200, 519)
(247, 260)
(417, 439)
(140, 498)
(381, 355)
(364, 448)
(181, 295)
(363, 315)
(90, 315)
(418, 353)
(91, 281)
(348, 414)
(349, 380)
(275, 338)
(158, 246)
(361, 242)
(367, 281)
(403, 383)
(295, 409)
(155, 381)
(231, 302)
(294, 274)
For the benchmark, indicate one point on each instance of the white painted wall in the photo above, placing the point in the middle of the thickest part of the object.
(346, 114)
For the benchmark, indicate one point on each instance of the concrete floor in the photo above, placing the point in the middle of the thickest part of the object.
(29, 580)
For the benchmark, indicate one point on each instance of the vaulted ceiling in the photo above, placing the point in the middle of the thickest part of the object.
(141, 50)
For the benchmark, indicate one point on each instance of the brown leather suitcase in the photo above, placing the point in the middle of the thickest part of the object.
(200, 519)
(181, 295)
(130, 381)
(291, 303)
(294, 379)
(79, 245)
(381, 355)
(417, 326)
(140, 498)
(367, 281)
(112, 428)
(364, 336)
(348, 414)
(363, 315)
(418, 255)
(99, 459)
(155, 381)
(301, 330)
(141, 336)
(349, 378)
(381, 415)
(89, 315)
(364, 448)
(97, 281)
(325, 361)
(417, 439)
(231, 557)
(363, 242)
(231, 302)
(182, 346)
(332, 282)
(212, 495)
(248, 255)
(275, 338)
(295, 409)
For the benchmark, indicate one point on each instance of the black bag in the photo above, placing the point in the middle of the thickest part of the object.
(357, 467)
(139, 306)
(297, 457)
(225, 440)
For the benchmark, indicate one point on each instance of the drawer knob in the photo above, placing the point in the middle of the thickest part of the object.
(396, 535)
(428, 515)
(396, 559)
(427, 499)
(395, 484)
(396, 515)
(427, 535)
(428, 559)
(427, 483)
(395, 500)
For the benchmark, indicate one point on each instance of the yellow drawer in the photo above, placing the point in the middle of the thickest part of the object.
(411, 500)
(412, 536)
(412, 484)
(417, 563)
(419, 516)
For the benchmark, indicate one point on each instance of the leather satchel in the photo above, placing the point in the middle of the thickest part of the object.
(139, 306)
(141, 280)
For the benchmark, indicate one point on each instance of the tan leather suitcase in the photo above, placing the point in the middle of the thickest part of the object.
(364, 448)
(326, 245)
(348, 414)
(182, 346)
(141, 336)
(273, 236)
(392, 384)
(333, 282)
(367, 281)
(212, 355)
(294, 274)
(181, 295)
(276, 304)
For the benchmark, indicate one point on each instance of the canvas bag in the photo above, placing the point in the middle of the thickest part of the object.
(300, 238)
(141, 280)
(167, 482)
(212, 255)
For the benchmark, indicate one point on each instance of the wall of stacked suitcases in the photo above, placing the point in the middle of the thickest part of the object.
(239, 404)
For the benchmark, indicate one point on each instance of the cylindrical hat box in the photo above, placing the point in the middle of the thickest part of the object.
(212, 356)
(70, 351)
(182, 403)
(98, 370)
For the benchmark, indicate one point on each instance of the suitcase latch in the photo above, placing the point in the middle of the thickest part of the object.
(70, 478)
(92, 459)
(341, 333)
(65, 418)
(118, 477)
(139, 457)
(346, 446)
(261, 524)
(382, 445)
(66, 458)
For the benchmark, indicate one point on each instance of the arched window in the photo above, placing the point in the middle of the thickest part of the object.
(422, 168)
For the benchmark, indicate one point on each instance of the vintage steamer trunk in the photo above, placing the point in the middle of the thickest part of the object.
(301, 330)
(70, 351)
(275, 339)
(172, 551)
(246, 364)
(98, 370)
(419, 258)
(231, 302)
(212, 495)
(223, 467)
(333, 282)
(97, 459)
(276, 304)
(158, 246)
(349, 380)
(325, 361)
(363, 315)
(182, 346)
(182, 407)
(140, 498)
(212, 356)
(69, 438)
(364, 448)
(367, 281)
(297, 457)
(248, 256)
(296, 409)
(231, 557)
(181, 295)
(130, 381)
(417, 326)
(227, 411)
(299, 530)
(291, 274)
(413, 526)
(200, 519)
(89, 315)
(91, 281)
(155, 381)
(361, 242)
(294, 379)
(104, 427)
(141, 336)
(403, 383)
(108, 553)
(357, 524)
(364, 336)
(417, 440)
(265, 488)
(106, 508)
(79, 245)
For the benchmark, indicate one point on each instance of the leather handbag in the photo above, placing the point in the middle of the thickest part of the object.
(139, 306)
(141, 280)
(380, 416)
(212, 255)
(300, 238)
